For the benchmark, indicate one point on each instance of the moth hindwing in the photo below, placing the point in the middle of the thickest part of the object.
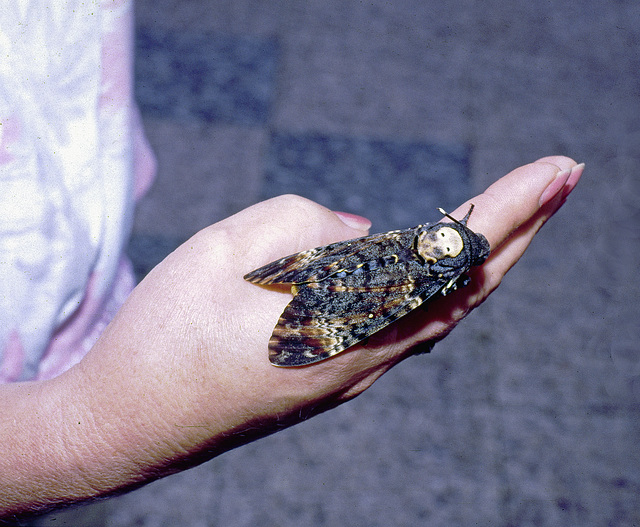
(346, 291)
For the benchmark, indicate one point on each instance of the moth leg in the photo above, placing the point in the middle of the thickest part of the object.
(455, 283)
(423, 348)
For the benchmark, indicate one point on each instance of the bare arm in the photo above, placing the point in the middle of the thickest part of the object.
(181, 374)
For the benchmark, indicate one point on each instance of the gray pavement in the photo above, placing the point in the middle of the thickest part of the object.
(528, 414)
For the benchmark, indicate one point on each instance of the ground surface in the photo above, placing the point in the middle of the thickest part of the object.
(529, 413)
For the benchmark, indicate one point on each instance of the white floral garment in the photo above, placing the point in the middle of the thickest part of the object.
(73, 159)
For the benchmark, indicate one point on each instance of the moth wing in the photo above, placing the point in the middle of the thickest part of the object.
(324, 319)
(319, 263)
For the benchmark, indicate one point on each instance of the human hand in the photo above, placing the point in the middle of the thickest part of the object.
(198, 346)
(182, 373)
(235, 319)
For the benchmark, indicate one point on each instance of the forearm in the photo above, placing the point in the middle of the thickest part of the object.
(47, 448)
(56, 450)
(100, 428)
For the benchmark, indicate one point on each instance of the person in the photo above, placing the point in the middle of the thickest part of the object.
(181, 374)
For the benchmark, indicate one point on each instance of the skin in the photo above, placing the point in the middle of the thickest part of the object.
(181, 374)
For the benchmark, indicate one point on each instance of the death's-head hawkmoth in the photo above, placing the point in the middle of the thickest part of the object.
(346, 291)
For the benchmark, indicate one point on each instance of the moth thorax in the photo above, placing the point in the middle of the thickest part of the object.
(445, 242)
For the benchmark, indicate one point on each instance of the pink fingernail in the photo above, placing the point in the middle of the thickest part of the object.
(554, 187)
(354, 221)
(574, 177)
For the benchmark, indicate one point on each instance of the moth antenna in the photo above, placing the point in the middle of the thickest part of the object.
(463, 221)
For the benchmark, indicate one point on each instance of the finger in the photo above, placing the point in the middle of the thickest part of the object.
(522, 202)
(509, 214)
(514, 199)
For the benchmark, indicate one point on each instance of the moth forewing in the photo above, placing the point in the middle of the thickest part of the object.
(346, 291)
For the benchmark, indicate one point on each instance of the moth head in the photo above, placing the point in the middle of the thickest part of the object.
(452, 244)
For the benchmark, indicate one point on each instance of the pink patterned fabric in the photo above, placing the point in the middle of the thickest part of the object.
(73, 158)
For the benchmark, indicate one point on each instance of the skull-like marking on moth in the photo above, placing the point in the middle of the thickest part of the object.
(346, 291)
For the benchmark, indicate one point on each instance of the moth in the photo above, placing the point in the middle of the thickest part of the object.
(346, 291)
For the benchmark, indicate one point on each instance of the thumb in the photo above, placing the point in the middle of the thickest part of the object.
(355, 222)
(285, 225)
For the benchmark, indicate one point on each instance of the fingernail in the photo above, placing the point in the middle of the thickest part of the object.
(353, 221)
(574, 177)
(554, 187)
